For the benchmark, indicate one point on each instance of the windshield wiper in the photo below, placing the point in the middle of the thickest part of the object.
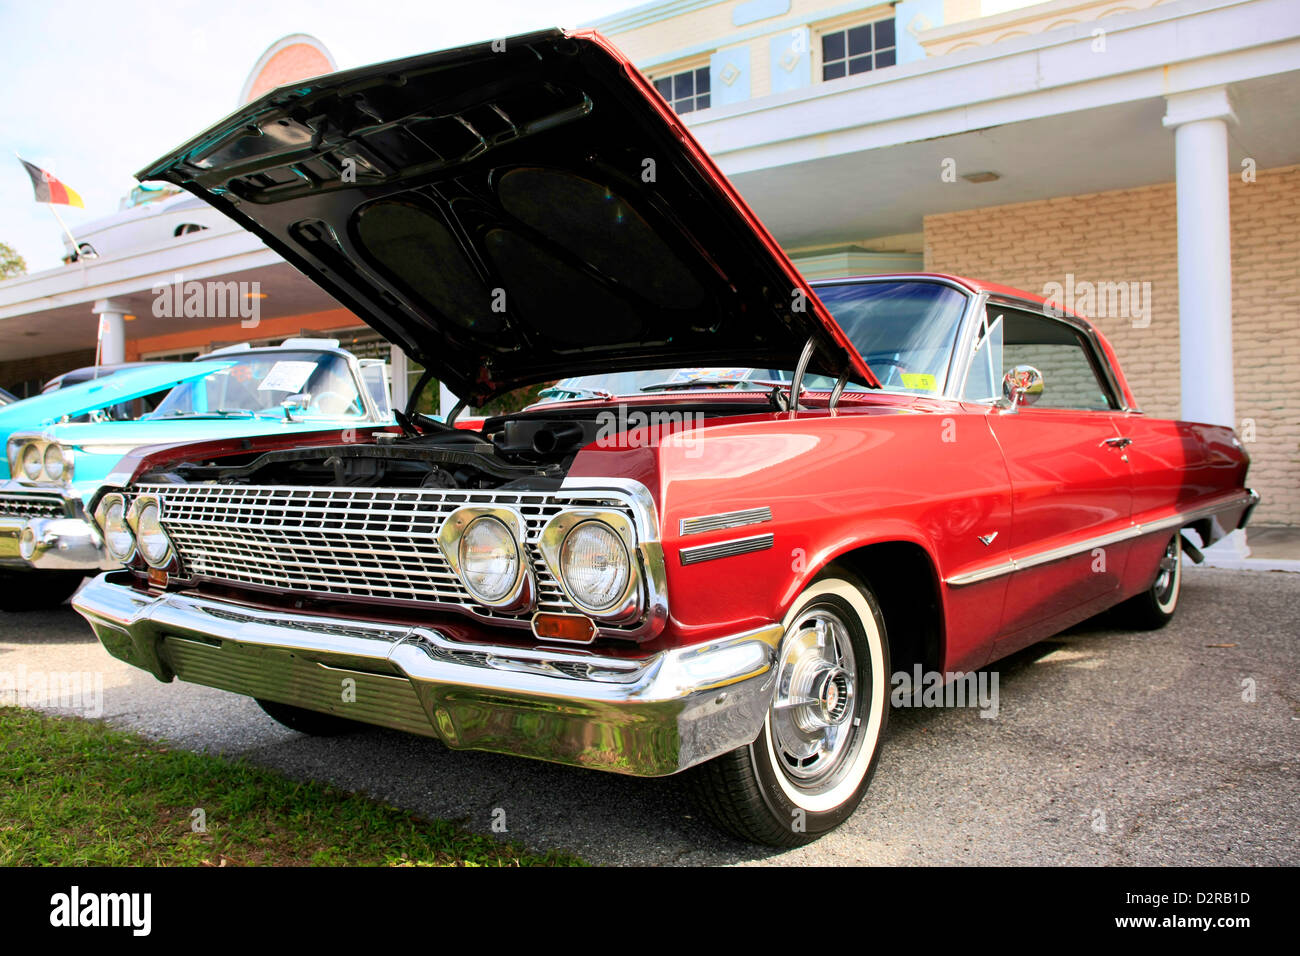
(697, 383)
(577, 392)
(215, 412)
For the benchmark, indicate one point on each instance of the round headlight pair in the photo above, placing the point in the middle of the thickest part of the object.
(49, 462)
(139, 526)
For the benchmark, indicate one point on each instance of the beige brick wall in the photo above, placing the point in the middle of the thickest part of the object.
(1130, 235)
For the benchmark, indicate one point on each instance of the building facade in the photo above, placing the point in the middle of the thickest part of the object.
(1138, 160)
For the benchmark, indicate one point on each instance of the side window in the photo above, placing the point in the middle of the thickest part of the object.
(984, 381)
(1058, 350)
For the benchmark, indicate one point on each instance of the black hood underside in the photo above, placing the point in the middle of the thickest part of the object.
(512, 213)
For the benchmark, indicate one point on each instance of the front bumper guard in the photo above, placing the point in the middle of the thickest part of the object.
(648, 716)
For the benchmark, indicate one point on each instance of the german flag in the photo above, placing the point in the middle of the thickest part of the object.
(49, 189)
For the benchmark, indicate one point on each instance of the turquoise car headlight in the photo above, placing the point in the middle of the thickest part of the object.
(55, 460)
(30, 461)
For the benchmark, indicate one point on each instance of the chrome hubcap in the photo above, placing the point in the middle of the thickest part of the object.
(1168, 565)
(814, 709)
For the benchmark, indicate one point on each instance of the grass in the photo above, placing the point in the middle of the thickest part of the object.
(76, 793)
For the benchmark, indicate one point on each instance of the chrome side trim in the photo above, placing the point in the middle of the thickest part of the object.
(1135, 530)
(725, 549)
(725, 519)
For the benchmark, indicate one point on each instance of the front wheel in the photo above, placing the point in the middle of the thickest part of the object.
(810, 766)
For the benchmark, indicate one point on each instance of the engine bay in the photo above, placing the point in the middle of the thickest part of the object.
(527, 451)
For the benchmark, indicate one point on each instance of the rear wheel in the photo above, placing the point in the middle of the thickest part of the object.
(1155, 607)
(810, 766)
(37, 590)
(311, 722)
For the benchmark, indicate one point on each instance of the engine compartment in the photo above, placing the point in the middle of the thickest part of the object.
(526, 451)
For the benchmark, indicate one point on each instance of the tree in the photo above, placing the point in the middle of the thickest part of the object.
(11, 263)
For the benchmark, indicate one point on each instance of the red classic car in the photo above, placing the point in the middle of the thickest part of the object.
(717, 573)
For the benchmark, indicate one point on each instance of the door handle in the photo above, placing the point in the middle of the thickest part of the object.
(1117, 442)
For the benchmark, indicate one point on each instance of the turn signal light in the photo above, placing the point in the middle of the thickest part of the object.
(564, 627)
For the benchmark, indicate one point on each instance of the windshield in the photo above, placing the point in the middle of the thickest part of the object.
(320, 383)
(905, 330)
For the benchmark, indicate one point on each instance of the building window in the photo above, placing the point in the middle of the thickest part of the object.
(858, 49)
(687, 91)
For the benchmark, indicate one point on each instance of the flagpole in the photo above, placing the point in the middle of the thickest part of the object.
(76, 249)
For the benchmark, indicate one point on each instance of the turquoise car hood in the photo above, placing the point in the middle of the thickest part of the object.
(114, 389)
(118, 438)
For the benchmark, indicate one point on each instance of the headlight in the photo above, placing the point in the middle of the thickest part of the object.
(118, 540)
(30, 457)
(54, 464)
(482, 545)
(149, 534)
(595, 565)
(489, 560)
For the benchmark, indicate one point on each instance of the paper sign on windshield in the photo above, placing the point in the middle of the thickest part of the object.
(287, 377)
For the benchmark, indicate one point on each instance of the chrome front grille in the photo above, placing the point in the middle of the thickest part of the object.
(364, 543)
(19, 505)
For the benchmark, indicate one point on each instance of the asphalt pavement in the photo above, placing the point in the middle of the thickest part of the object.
(1175, 747)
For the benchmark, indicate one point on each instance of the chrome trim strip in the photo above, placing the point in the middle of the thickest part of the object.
(725, 519)
(725, 549)
(1136, 530)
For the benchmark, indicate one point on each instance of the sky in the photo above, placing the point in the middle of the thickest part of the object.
(96, 90)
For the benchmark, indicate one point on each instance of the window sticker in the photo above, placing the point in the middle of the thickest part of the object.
(287, 377)
(919, 380)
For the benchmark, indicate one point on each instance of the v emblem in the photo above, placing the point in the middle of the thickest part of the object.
(987, 539)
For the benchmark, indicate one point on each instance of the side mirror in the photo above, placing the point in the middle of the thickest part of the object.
(1023, 385)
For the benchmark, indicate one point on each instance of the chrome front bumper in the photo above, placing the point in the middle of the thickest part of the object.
(648, 716)
(47, 529)
(52, 544)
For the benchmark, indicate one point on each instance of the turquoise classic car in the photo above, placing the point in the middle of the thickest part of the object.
(61, 446)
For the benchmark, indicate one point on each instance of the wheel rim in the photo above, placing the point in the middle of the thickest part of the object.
(816, 708)
(1167, 581)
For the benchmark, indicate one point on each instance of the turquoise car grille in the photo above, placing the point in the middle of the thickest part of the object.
(22, 505)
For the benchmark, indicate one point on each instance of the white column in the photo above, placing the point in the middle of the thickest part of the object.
(1200, 120)
(112, 330)
(1200, 123)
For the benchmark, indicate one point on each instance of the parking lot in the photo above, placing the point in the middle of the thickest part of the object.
(1172, 747)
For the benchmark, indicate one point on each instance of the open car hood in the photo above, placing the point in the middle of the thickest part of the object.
(112, 389)
(513, 212)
